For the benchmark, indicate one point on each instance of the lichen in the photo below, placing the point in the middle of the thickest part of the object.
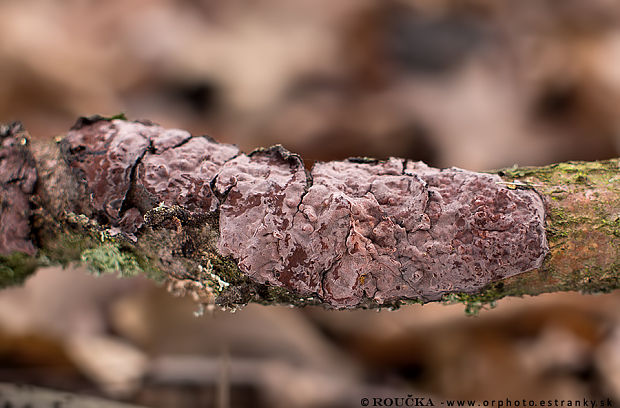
(108, 258)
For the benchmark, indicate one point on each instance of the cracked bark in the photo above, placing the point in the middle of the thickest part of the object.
(234, 228)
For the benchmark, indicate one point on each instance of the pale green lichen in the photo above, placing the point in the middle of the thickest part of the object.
(213, 281)
(108, 258)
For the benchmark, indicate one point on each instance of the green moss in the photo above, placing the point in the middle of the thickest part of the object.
(150, 268)
(15, 268)
(67, 247)
(412, 302)
(609, 222)
(226, 269)
(475, 302)
(581, 178)
(559, 217)
(610, 227)
(119, 116)
(515, 172)
(570, 172)
(276, 294)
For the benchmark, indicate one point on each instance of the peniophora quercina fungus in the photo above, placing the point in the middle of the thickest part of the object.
(18, 176)
(347, 232)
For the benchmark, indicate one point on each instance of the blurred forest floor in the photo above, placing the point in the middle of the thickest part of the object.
(478, 84)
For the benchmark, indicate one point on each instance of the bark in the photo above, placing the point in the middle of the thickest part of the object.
(233, 228)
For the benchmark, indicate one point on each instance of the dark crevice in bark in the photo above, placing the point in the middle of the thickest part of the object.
(221, 197)
(404, 163)
(128, 201)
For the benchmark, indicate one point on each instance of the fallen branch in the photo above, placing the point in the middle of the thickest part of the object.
(233, 228)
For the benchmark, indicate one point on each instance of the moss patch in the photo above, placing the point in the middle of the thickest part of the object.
(15, 268)
(475, 302)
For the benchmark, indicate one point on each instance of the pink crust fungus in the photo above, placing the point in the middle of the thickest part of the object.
(349, 232)
(18, 176)
(182, 174)
(116, 159)
(354, 231)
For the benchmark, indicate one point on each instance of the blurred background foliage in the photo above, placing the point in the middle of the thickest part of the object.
(478, 84)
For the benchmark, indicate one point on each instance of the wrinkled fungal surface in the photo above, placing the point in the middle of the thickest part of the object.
(257, 216)
(481, 231)
(182, 174)
(375, 231)
(131, 167)
(18, 176)
(349, 232)
(104, 154)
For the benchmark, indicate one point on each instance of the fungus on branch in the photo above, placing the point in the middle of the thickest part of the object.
(259, 227)
(350, 232)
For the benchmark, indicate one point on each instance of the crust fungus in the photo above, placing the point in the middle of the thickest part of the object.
(131, 167)
(18, 176)
(375, 230)
(348, 232)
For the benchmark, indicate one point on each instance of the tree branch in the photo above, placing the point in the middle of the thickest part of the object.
(233, 228)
